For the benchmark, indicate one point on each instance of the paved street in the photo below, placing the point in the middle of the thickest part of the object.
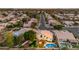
(42, 26)
(74, 30)
(42, 22)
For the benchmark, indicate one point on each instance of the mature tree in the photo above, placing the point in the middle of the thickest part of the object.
(18, 39)
(15, 40)
(33, 25)
(30, 35)
(33, 44)
(9, 39)
(18, 24)
(38, 16)
(75, 23)
(10, 26)
(25, 20)
(58, 27)
(75, 13)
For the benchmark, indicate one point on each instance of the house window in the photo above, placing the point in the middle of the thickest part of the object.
(46, 37)
(41, 36)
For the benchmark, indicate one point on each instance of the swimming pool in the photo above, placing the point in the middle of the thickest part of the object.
(50, 45)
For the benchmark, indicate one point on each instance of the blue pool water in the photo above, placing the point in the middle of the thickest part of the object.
(50, 45)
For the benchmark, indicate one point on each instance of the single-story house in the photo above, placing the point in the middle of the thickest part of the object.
(64, 36)
(43, 36)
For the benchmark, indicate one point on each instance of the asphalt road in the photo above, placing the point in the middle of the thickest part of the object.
(42, 22)
(74, 30)
(42, 26)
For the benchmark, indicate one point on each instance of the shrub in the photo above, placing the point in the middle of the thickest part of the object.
(58, 27)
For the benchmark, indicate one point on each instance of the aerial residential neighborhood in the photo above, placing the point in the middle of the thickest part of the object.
(37, 29)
